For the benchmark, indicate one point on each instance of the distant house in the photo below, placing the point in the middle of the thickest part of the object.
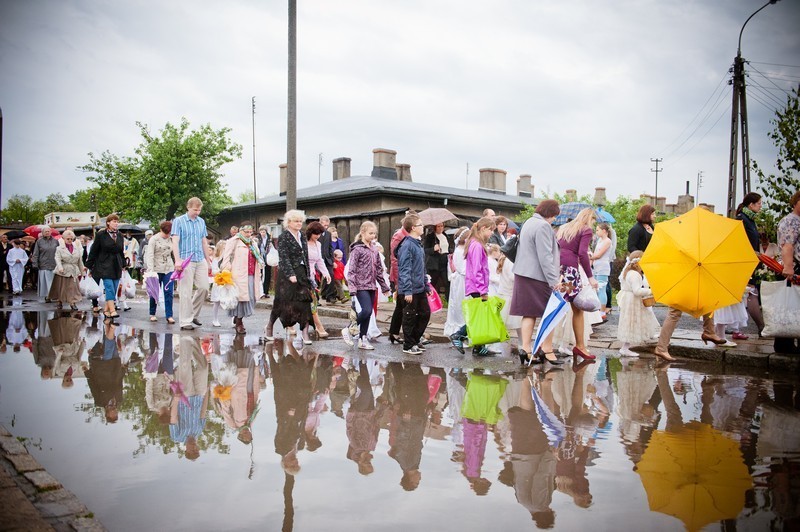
(383, 197)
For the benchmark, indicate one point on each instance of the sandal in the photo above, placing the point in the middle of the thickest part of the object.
(170, 321)
(153, 318)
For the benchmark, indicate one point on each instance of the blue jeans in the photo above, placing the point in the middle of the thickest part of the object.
(111, 286)
(163, 279)
(366, 299)
(602, 282)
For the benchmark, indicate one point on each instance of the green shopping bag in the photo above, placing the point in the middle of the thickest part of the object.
(484, 323)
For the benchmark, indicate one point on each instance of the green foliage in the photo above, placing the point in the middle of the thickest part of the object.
(248, 196)
(166, 171)
(624, 210)
(21, 207)
(777, 189)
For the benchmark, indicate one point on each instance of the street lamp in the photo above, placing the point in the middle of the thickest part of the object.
(739, 116)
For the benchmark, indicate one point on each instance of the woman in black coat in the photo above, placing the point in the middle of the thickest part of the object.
(642, 231)
(746, 212)
(106, 260)
(293, 285)
(437, 247)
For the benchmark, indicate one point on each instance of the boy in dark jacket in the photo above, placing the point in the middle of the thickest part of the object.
(412, 285)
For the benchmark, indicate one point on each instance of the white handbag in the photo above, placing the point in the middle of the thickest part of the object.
(272, 257)
(781, 307)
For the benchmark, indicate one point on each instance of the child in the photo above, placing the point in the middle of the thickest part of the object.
(637, 323)
(494, 253)
(457, 265)
(502, 277)
(363, 272)
(412, 285)
(476, 281)
(215, 288)
(338, 275)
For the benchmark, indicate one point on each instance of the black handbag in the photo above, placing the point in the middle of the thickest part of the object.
(509, 249)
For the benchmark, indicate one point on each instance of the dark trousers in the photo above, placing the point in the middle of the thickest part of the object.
(397, 315)
(416, 316)
(329, 290)
(267, 279)
(366, 298)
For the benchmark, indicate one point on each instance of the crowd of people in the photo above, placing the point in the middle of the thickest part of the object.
(313, 264)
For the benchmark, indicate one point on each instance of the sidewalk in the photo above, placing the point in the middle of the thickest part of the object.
(31, 499)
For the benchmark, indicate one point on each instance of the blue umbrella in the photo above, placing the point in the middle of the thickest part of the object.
(554, 312)
(513, 225)
(605, 216)
(569, 211)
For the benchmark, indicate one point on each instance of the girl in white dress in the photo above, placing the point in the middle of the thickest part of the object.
(215, 288)
(502, 278)
(637, 323)
(457, 267)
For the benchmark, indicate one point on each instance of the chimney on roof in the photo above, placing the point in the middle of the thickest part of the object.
(524, 187)
(404, 172)
(341, 168)
(492, 180)
(282, 190)
(661, 204)
(571, 195)
(600, 196)
(384, 163)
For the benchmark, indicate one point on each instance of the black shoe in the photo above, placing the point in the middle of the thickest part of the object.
(425, 341)
(421, 346)
(394, 339)
(524, 358)
(189, 327)
(197, 322)
(458, 342)
(481, 351)
(554, 361)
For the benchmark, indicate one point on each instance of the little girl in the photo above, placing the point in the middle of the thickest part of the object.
(637, 323)
(215, 288)
(364, 270)
(502, 276)
(476, 281)
(457, 267)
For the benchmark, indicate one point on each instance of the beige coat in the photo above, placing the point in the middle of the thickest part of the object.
(158, 258)
(235, 259)
(69, 264)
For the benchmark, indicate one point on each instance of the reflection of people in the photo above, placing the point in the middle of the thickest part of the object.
(68, 344)
(238, 409)
(362, 422)
(42, 346)
(190, 396)
(105, 373)
(408, 421)
(480, 410)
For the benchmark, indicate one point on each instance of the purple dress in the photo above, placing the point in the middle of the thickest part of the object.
(575, 252)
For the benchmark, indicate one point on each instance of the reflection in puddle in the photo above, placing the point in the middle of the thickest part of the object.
(188, 414)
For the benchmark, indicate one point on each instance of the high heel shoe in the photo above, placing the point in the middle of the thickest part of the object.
(664, 355)
(394, 339)
(580, 353)
(577, 366)
(713, 339)
(544, 358)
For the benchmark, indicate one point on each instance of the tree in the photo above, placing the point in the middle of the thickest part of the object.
(24, 208)
(528, 210)
(777, 189)
(245, 197)
(166, 171)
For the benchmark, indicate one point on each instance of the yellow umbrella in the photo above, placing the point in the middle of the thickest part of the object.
(699, 262)
(696, 474)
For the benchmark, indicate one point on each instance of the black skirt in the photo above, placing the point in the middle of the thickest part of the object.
(530, 297)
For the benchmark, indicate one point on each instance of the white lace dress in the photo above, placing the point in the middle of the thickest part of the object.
(455, 317)
(637, 323)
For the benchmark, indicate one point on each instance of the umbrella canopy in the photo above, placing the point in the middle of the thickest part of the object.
(554, 312)
(35, 230)
(699, 262)
(605, 216)
(775, 266)
(512, 224)
(436, 215)
(152, 285)
(696, 474)
(15, 233)
(129, 228)
(569, 211)
(178, 274)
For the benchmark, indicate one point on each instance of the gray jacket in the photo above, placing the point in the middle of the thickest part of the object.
(537, 252)
(44, 254)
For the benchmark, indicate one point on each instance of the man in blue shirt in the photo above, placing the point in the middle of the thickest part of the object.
(190, 238)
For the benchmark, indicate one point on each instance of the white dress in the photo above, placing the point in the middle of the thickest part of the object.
(455, 317)
(734, 315)
(637, 323)
(215, 288)
(504, 283)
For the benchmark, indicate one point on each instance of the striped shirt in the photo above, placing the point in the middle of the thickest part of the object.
(191, 234)
(190, 420)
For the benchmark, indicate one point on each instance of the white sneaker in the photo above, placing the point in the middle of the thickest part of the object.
(363, 343)
(728, 343)
(298, 342)
(628, 353)
(215, 323)
(348, 339)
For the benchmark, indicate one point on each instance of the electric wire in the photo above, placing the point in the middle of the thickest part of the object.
(710, 112)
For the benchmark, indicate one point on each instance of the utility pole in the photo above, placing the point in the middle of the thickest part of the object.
(255, 194)
(319, 170)
(656, 170)
(466, 181)
(291, 126)
(739, 118)
(697, 188)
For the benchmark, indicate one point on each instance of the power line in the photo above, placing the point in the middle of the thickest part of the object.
(773, 64)
(775, 84)
(700, 124)
(687, 152)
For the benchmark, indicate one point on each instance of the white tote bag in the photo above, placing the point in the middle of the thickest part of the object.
(781, 306)
(272, 257)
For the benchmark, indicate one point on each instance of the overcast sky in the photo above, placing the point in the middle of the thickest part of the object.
(578, 93)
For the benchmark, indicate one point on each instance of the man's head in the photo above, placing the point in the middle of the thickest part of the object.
(325, 221)
(193, 207)
(148, 234)
(234, 230)
(488, 212)
(3, 238)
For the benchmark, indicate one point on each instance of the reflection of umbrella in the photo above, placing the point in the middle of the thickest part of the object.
(699, 262)
(177, 391)
(554, 312)
(152, 285)
(15, 233)
(696, 474)
(34, 230)
(176, 275)
(436, 215)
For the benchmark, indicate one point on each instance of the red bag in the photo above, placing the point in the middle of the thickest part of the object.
(434, 301)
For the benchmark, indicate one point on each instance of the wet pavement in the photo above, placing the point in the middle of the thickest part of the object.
(151, 427)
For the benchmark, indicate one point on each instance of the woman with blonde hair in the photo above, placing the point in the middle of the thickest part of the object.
(637, 323)
(292, 302)
(69, 266)
(573, 240)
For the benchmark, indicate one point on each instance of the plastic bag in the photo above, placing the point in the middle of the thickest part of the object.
(587, 300)
(128, 285)
(228, 297)
(272, 256)
(484, 322)
(781, 306)
(89, 288)
(434, 300)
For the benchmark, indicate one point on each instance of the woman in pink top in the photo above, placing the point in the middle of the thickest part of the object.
(476, 279)
(573, 239)
(315, 264)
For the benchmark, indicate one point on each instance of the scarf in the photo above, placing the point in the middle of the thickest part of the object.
(750, 214)
(252, 247)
